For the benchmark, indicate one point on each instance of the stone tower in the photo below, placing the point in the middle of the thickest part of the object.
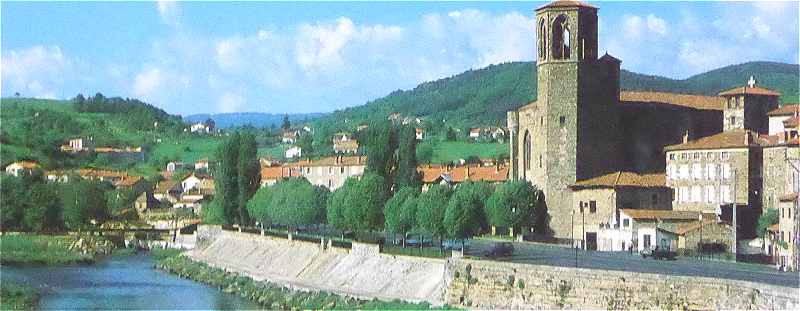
(746, 107)
(570, 132)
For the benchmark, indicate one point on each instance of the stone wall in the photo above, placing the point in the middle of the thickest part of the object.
(498, 285)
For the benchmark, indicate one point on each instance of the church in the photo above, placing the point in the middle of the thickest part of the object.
(582, 131)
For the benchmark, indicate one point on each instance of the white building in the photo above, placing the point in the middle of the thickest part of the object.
(21, 167)
(293, 152)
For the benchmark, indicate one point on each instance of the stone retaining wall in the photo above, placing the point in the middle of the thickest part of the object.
(498, 285)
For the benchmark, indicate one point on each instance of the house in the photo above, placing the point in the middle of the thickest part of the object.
(394, 116)
(293, 152)
(642, 229)
(201, 165)
(136, 183)
(125, 153)
(452, 176)
(78, 145)
(496, 133)
(112, 177)
(205, 127)
(419, 133)
(786, 234)
(270, 175)
(22, 168)
(362, 127)
(167, 191)
(345, 147)
(174, 166)
(783, 116)
(290, 136)
(198, 183)
(342, 137)
(145, 201)
(475, 132)
(329, 172)
(57, 176)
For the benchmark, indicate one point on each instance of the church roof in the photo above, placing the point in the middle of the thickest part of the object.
(742, 90)
(724, 140)
(566, 4)
(700, 102)
(623, 179)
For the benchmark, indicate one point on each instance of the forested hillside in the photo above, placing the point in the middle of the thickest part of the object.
(256, 119)
(483, 96)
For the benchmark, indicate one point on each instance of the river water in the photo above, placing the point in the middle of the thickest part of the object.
(120, 282)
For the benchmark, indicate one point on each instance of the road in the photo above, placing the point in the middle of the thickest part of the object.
(565, 257)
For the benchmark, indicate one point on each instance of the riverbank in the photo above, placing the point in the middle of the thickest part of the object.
(269, 295)
(33, 249)
(18, 297)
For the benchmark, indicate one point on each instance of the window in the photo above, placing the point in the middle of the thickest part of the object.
(711, 171)
(580, 205)
(725, 194)
(672, 156)
(646, 241)
(526, 154)
(710, 155)
(543, 39)
(626, 222)
(726, 170)
(711, 194)
(730, 102)
(697, 194)
(697, 171)
(684, 156)
(561, 38)
(654, 199)
(684, 194)
(592, 207)
(540, 161)
(732, 120)
(684, 172)
(562, 120)
(341, 169)
(725, 155)
(541, 121)
(697, 156)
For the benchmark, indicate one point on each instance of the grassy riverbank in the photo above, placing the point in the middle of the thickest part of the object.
(17, 297)
(51, 249)
(271, 296)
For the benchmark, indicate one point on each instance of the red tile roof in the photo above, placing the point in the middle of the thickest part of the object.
(463, 173)
(790, 122)
(728, 139)
(742, 90)
(700, 102)
(788, 197)
(129, 181)
(623, 179)
(271, 172)
(649, 214)
(26, 164)
(330, 161)
(786, 110)
(685, 228)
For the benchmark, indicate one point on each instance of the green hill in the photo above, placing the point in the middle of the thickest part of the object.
(483, 96)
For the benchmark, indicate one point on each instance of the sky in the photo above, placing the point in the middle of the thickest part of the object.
(299, 57)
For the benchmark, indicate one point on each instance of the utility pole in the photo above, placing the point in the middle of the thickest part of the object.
(735, 227)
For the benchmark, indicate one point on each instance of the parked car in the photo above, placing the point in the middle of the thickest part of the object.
(658, 253)
(455, 244)
(500, 249)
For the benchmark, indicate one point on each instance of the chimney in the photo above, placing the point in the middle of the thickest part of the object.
(685, 136)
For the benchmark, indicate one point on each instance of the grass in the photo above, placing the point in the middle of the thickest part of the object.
(276, 152)
(273, 296)
(429, 252)
(17, 297)
(187, 149)
(40, 249)
(447, 151)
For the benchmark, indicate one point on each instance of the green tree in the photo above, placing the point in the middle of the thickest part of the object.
(767, 218)
(464, 216)
(364, 203)
(425, 153)
(379, 147)
(512, 205)
(296, 202)
(248, 174)
(258, 206)
(400, 211)
(338, 202)
(285, 125)
(407, 175)
(431, 207)
(306, 143)
(12, 208)
(84, 202)
(44, 212)
(226, 182)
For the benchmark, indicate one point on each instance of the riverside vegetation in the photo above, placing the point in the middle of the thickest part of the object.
(269, 295)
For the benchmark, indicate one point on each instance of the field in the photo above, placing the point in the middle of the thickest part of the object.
(276, 152)
(446, 151)
(41, 249)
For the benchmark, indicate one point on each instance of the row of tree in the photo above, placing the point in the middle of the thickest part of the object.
(237, 178)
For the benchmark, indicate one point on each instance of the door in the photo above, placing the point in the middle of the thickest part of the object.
(591, 241)
(646, 241)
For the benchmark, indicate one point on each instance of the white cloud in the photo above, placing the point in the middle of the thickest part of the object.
(38, 71)
(656, 25)
(170, 12)
(320, 45)
(230, 102)
(148, 82)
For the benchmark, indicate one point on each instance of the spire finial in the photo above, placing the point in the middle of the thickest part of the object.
(752, 82)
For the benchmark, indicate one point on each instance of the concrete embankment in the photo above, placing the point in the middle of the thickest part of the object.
(364, 272)
(361, 272)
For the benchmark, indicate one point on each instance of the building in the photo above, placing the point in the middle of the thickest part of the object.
(271, 175)
(598, 202)
(290, 136)
(205, 127)
(293, 152)
(78, 144)
(21, 168)
(419, 133)
(452, 176)
(112, 177)
(197, 183)
(135, 183)
(783, 118)
(201, 165)
(145, 201)
(167, 191)
(345, 147)
(330, 172)
(125, 153)
(174, 166)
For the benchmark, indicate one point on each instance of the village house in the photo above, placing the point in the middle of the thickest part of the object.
(112, 177)
(290, 136)
(201, 165)
(640, 229)
(20, 168)
(345, 147)
(174, 166)
(205, 127)
(293, 152)
(452, 176)
(57, 176)
(167, 191)
(329, 172)
(271, 175)
(419, 133)
(135, 183)
(784, 118)
(78, 144)
(145, 201)
(126, 153)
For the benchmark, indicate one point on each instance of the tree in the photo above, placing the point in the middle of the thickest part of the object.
(84, 201)
(450, 134)
(431, 207)
(258, 206)
(338, 202)
(44, 212)
(407, 175)
(12, 208)
(296, 202)
(379, 147)
(767, 218)
(512, 205)
(306, 143)
(248, 174)
(425, 153)
(464, 216)
(400, 211)
(364, 203)
(226, 181)
(286, 125)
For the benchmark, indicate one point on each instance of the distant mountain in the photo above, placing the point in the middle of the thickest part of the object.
(483, 96)
(257, 119)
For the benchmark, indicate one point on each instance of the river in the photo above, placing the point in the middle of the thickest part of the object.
(120, 282)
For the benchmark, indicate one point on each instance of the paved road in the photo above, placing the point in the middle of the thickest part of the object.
(565, 257)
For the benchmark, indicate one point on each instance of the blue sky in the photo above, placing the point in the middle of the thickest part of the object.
(208, 57)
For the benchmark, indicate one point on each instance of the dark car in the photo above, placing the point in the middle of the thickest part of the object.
(658, 253)
(455, 244)
(500, 249)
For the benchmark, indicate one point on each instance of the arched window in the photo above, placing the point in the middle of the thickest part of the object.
(542, 39)
(561, 38)
(526, 154)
